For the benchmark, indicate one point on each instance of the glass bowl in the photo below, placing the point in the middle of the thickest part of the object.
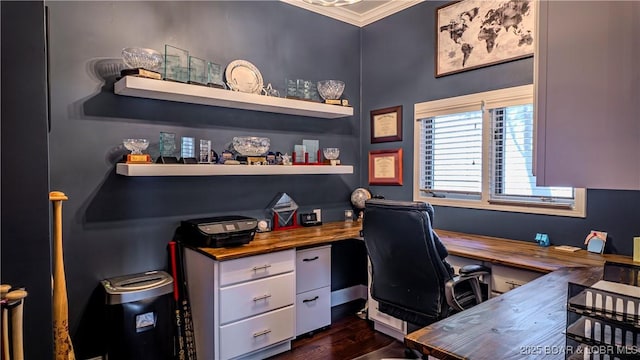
(330, 89)
(331, 153)
(136, 57)
(251, 145)
(136, 146)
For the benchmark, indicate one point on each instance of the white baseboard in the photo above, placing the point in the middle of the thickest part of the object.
(345, 295)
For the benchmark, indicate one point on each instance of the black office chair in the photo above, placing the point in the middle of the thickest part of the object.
(410, 277)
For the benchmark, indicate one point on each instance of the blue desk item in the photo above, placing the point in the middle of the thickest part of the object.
(542, 239)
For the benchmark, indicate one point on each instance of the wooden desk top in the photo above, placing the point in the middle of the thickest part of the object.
(527, 322)
(272, 241)
(518, 324)
(521, 254)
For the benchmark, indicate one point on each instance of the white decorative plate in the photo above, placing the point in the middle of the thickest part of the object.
(243, 76)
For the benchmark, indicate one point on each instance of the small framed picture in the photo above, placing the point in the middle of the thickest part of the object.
(385, 167)
(386, 124)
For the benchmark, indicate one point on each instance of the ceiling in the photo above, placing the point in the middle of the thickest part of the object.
(359, 14)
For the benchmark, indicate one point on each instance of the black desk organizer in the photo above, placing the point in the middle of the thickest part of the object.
(603, 324)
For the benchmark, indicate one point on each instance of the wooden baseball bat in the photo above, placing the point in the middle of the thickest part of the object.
(189, 335)
(63, 348)
(4, 289)
(16, 300)
(179, 320)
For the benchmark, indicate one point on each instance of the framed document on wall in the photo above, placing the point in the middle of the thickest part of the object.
(385, 167)
(386, 124)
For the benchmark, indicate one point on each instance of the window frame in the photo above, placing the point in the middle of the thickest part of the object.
(486, 100)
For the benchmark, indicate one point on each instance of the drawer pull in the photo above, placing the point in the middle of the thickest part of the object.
(513, 284)
(265, 296)
(263, 267)
(313, 258)
(260, 333)
(310, 300)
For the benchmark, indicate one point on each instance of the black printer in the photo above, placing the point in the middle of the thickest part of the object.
(220, 231)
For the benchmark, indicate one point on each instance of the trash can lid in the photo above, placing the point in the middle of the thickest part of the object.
(134, 287)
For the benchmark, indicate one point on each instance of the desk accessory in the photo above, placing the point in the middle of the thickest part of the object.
(542, 239)
(595, 241)
(264, 225)
(567, 248)
(603, 318)
(310, 219)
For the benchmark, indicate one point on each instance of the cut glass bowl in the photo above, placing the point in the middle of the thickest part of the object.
(331, 153)
(136, 57)
(136, 146)
(330, 89)
(251, 145)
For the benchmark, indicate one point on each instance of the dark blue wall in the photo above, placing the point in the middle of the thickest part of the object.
(398, 69)
(116, 225)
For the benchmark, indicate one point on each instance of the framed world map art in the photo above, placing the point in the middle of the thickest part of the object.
(475, 33)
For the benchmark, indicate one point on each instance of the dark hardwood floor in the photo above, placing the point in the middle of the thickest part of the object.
(348, 337)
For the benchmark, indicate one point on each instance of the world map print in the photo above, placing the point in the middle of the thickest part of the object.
(476, 33)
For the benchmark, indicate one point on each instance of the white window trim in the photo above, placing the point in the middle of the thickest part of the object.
(504, 97)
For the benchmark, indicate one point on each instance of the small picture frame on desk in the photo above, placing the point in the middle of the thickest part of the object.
(386, 124)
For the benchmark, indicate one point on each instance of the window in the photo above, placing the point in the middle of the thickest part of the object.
(477, 151)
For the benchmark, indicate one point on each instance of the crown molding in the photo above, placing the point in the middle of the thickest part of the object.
(344, 14)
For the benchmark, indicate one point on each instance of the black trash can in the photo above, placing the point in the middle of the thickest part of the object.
(138, 316)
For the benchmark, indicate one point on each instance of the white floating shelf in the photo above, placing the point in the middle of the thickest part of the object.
(196, 94)
(215, 170)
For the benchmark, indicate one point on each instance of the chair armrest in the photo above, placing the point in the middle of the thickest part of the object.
(468, 284)
(474, 270)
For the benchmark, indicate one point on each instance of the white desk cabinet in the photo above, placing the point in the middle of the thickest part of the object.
(313, 289)
(242, 308)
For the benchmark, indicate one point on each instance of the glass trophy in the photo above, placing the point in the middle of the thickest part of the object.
(298, 154)
(205, 152)
(292, 89)
(176, 62)
(187, 151)
(284, 211)
(311, 147)
(136, 146)
(197, 71)
(167, 148)
(214, 75)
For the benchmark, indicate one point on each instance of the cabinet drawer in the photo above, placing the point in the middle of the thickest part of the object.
(256, 267)
(313, 268)
(257, 332)
(255, 297)
(313, 310)
(505, 278)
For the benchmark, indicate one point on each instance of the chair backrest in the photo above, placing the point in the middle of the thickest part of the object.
(407, 266)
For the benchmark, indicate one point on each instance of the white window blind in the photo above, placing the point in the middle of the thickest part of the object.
(512, 159)
(452, 148)
(477, 151)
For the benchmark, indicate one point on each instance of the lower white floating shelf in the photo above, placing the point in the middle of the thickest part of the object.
(215, 170)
